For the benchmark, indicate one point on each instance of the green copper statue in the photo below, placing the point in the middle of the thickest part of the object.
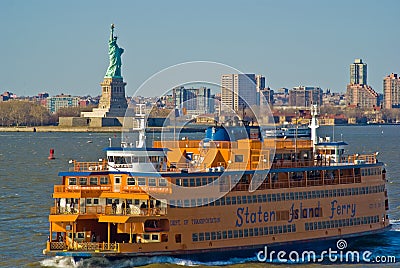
(115, 52)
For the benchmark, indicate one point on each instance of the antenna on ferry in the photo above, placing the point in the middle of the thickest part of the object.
(314, 125)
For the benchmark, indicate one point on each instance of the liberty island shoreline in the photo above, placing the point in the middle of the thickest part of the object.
(198, 128)
(113, 129)
(61, 129)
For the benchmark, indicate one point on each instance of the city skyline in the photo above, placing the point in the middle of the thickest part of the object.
(61, 46)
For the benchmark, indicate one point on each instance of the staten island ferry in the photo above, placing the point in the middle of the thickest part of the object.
(219, 195)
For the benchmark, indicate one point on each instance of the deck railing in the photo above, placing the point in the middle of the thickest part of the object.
(364, 158)
(84, 246)
(89, 166)
(130, 189)
(193, 144)
(287, 144)
(81, 188)
(108, 210)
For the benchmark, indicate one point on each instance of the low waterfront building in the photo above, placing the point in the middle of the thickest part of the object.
(303, 96)
(53, 104)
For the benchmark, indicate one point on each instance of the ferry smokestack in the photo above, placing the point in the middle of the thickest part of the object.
(51, 155)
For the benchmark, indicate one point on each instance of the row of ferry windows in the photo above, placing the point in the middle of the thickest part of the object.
(91, 180)
(135, 159)
(320, 225)
(109, 201)
(150, 181)
(194, 182)
(248, 232)
(130, 181)
(371, 171)
(263, 198)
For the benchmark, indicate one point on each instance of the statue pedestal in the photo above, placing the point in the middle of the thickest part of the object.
(112, 102)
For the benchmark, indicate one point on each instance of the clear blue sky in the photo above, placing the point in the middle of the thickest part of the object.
(61, 46)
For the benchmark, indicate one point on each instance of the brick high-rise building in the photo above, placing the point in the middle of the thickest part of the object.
(362, 96)
(391, 91)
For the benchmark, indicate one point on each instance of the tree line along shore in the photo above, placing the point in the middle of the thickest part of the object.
(28, 116)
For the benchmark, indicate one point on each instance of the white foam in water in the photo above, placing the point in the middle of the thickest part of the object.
(68, 262)
(59, 261)
(395, 225)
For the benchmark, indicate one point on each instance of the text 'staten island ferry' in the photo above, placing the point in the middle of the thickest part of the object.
(216, 195)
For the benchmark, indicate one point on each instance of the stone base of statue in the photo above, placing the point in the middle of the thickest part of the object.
(112, 102)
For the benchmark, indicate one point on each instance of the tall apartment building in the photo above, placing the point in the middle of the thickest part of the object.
(260, 86)
(391, 91)
(358, 92)
(260, 82)
(305, 96)
(362, 96)
(194, 101)
(358, 72)
(267, 94)
(238, 91)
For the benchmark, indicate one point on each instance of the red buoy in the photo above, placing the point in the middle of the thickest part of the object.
(51, 155)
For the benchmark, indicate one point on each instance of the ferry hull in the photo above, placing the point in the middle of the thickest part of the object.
(220, 254)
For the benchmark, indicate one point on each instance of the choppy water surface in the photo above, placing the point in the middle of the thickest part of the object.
(27, 178)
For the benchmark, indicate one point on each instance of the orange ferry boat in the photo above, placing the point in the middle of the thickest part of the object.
(225, 193)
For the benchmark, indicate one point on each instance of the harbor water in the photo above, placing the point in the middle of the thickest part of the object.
(27, 178)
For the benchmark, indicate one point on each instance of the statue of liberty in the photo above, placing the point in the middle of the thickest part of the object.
(115, 52)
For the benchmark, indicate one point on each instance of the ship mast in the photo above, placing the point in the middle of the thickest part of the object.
(314, 125)
(140, 118)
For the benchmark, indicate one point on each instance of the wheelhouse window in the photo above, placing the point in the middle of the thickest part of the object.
(139, 159)
(131, 181)
(72, 181)
(93, 181)
(141, 181)
(83, 181)
(152, 182)
(104, 180)
(162, 182)
(119, 160)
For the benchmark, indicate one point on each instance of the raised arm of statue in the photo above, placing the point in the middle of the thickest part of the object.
(112, 32)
